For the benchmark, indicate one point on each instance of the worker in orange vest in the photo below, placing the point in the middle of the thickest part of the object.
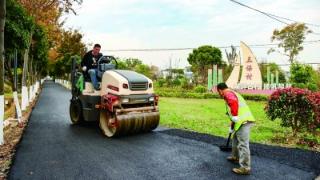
(241, 122)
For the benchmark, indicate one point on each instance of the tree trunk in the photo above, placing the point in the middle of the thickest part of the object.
(204, 75)
(25, 99)
(291, 58)
(36, 78)
(30, 81)
(2, 24)
(15, 93)
(39, 77)
(7, 70)
(13, 79)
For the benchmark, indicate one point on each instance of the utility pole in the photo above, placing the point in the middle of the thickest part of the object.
(2, 23)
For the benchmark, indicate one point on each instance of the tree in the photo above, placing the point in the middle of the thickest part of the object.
(232, 56)
(43, 5)
(2, 25)
(121, 64)
(303, 76)
(135, 65)
(202, 57)
(71, 45)
(290, 37)
(39, 51)
(155, 72)
(227, 69)
(18, 30)
(143, 69)
(47, 14)
(132, 63)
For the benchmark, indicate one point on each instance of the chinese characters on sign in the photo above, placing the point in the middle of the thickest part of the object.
(249, 69)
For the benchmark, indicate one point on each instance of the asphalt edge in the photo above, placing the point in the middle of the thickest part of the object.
(27, 118)
(298, 158)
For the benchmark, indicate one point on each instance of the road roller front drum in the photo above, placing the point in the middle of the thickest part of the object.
(128, 123)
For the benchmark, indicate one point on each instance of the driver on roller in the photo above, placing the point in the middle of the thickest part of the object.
(89, 64)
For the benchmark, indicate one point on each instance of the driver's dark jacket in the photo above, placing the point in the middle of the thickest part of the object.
(90, 61)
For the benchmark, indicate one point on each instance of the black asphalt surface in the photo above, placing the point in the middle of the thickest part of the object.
(52, 148)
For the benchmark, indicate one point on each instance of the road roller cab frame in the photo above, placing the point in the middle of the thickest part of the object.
(125, 103)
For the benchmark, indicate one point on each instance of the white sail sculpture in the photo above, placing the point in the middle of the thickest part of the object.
(250, 76)
(233, 79)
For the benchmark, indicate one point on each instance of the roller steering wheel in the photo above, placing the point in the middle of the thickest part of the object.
(107, 60)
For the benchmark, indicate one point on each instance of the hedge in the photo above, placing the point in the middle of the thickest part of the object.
(297, 108)
(188, 94)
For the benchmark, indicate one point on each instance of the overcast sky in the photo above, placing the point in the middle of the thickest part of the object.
(143, 24)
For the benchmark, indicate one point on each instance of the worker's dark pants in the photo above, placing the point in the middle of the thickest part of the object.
(240, 145)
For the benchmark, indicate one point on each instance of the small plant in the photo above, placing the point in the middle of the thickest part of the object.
(292, 106)
(185, 84)
(200, 89)
(308, 140)
(161, 82)
(176, 82)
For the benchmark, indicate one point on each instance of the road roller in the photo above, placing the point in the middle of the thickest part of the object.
(125, 104)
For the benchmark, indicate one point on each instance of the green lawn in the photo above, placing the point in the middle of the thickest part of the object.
(208, 116)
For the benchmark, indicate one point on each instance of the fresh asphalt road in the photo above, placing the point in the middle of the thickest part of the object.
(52, 148)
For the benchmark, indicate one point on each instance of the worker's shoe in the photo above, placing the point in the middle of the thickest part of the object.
(233, 159)
(241, 171)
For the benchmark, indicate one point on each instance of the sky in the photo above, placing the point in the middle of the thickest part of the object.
(147, 24)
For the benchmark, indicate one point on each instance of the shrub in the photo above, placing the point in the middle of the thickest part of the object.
(292, 106)
(161, 82)
(185, 93)
(307, 140)
(176, 82)
(312, 86)
(303, 76)
(185, 83)
(200, 89)
(255, 97)
(314, 100)
(7, 88)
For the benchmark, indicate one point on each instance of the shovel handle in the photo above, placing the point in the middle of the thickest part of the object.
(228, 140)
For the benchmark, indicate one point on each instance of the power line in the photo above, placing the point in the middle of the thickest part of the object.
(290, 64)
(264, 13)
(310, 24)
(275, 17)
(189, 48)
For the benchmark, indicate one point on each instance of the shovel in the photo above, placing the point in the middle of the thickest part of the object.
(226, 148)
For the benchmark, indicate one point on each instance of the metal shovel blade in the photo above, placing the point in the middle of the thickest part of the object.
(226, 147)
